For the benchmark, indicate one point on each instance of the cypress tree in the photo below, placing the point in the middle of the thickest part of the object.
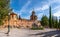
(50, 17)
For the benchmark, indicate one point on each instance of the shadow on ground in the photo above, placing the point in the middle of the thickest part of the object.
(48, 34)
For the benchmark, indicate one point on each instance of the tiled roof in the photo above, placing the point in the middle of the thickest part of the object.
(13, 13)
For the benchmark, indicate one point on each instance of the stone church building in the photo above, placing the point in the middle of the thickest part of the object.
(15, 21)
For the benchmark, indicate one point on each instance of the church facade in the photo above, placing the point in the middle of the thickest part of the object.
(15, 21)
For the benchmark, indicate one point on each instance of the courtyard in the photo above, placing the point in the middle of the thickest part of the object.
(14, 32)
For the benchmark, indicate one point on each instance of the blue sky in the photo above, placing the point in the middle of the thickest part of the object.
(41, 7)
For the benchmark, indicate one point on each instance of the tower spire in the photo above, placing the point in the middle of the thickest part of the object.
(33, 9)
(33, 12)
(33, 16)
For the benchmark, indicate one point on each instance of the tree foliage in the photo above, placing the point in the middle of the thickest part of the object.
(55, 22)
(59, 24)
(44, 21)
(52, 22)
(4, 9)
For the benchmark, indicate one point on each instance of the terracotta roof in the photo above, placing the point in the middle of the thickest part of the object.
(13, 13)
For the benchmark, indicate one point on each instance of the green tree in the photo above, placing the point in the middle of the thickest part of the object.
(59, 24)
(54, 22)
(50, 17)
(44, 21)
(4, 9)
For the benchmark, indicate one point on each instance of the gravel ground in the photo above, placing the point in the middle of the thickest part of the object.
(30, 33)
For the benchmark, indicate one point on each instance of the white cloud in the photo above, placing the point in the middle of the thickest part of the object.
(54, 1)
(23, 9)
(39, 15)
(26, 17)
(57, 14)
(17, 12)
(31, 10)
(44, 7)
(57, 7)
(25, 6)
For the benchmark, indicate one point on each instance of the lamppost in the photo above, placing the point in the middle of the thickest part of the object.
(8, 24)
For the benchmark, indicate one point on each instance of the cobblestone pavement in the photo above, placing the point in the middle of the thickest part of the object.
(30, 33)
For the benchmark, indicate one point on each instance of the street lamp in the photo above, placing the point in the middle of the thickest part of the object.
(8, 24)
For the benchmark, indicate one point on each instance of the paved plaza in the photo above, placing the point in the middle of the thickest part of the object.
(30, 33)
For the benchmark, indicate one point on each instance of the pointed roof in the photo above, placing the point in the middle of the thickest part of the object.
(19, 17)
(13, 13)
(33, 12)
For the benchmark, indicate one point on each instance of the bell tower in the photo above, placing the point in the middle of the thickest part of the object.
(33, 17)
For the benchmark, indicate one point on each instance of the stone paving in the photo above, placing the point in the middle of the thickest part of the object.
(30, 33)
